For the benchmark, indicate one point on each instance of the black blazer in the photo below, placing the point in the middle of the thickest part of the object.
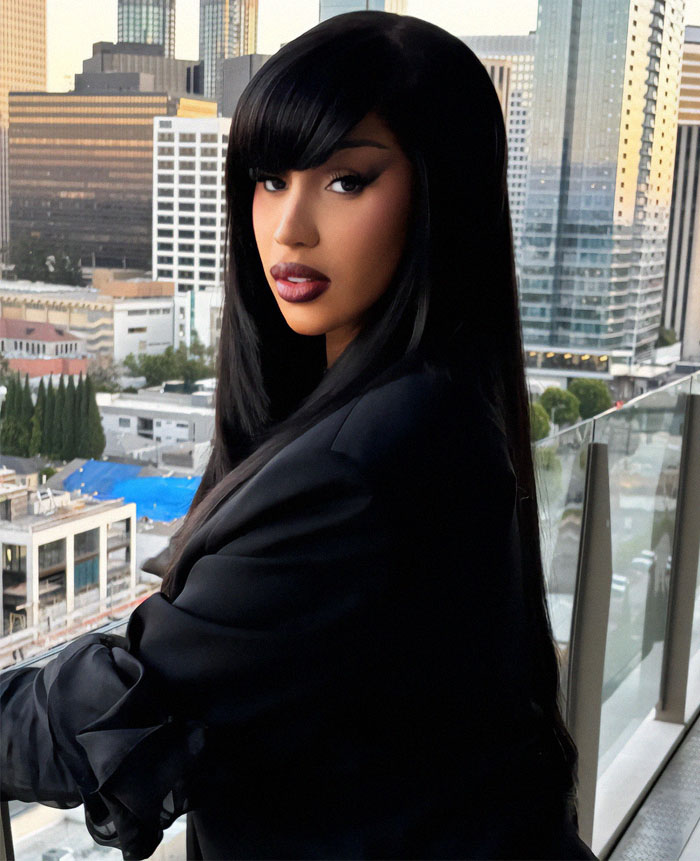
(344, 673)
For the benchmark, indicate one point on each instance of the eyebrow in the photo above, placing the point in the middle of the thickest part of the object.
(354, 143)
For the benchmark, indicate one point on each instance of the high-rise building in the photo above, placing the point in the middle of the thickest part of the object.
(22, 67)
(515, 90)
(329, 8)
(176, 77)
(681, 307)
(227, 28)
(150, 22)
(602, 144)
(80, 167)
(189, 216)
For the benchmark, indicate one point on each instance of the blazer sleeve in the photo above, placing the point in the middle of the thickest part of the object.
(289, 599)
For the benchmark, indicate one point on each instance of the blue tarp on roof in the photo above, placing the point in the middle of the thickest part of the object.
(157, 497)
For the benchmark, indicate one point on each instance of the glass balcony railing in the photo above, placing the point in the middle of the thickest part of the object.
(619, 497)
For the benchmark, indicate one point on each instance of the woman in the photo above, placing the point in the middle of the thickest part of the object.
(350, 657)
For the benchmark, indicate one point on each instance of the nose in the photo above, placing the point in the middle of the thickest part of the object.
(296, 225)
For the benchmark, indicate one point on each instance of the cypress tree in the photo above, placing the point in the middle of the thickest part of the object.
(37, 427)
(68, 446)
(81, 430)
(9, 424)
(49, 415)
(59, 419)
(96, 435)
(26, 413)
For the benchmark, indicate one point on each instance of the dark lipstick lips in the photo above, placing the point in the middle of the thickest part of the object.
(312, 286)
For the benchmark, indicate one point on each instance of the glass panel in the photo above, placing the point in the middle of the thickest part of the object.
(644, 446)
(560, 464)
(695, 639)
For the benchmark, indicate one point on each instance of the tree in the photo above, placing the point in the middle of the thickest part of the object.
(96, 435)
(666, 337)
(9, 439)
(81, 413)
(171, 364)
(104, 375)
(26, 412)
(560, 404)
(69, 422)
(58, 420)
(47, 435)
(539, 422)
(593, 395)
(40, 260)
(37, 430)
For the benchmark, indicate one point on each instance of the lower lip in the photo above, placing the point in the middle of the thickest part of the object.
(304, 291)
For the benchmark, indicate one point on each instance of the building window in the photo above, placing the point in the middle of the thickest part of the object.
(124, 422)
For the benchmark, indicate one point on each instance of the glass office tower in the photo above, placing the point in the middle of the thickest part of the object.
(329, 8)
(227, 28)
(150, 22)
(602, 147)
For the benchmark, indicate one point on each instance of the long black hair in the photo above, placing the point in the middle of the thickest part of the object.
(454, 294)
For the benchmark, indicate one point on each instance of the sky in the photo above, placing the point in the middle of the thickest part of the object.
(73, 25)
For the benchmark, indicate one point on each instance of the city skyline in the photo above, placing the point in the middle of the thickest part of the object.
(278, 22)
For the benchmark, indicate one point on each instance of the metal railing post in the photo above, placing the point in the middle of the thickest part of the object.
(589, 629)
(684, 572)
(7, 851)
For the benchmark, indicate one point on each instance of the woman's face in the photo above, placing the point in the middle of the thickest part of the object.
(330, 238)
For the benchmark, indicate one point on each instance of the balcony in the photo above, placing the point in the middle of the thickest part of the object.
(619, 496)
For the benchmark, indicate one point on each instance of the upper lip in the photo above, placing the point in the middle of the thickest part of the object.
(282, 271)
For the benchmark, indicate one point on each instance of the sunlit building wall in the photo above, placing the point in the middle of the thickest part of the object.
(227, 28)
(519, 53)
(189, 216)
(150, 22)
(681, 308)
(329, 8)
(80, 170)
(604, 115)
(22, 67)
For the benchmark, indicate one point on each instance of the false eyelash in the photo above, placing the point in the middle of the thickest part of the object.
(362, 181)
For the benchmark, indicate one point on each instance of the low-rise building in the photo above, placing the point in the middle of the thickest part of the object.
(112, 318)
(66, 558)
(167, 417)
(39, 349)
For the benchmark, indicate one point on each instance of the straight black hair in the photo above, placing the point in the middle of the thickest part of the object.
(454, 294)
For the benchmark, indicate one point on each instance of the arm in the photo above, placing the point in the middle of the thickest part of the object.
(262, 626)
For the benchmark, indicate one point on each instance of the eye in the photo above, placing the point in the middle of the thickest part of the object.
(349, 183)
(271, 183)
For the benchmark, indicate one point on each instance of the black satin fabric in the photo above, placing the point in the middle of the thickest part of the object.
(343, 673)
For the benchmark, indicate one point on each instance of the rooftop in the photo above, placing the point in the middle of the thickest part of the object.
(32, 331)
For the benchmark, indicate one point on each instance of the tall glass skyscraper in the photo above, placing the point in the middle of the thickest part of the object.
(150, 22)
(329, 8)
(22, 67)
(227, 28)
(519, 53)
(602, 148)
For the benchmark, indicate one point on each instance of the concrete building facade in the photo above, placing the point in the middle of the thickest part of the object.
(39, 349)
(65, 557)
(22, 67)
(189, 214)
(681, 305)
(166, 417)
(604, 115)
(175, 77)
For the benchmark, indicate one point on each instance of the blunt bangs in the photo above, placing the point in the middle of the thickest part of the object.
(309, 95)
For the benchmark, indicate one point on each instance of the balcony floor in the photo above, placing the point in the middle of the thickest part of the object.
(667, 825)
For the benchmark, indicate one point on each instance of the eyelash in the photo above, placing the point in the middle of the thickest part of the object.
(361, 181)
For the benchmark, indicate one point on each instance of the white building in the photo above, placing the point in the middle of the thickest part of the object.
(107, 326)
(519, 52)
(189, 215)
(164, 417)
(67, 560)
